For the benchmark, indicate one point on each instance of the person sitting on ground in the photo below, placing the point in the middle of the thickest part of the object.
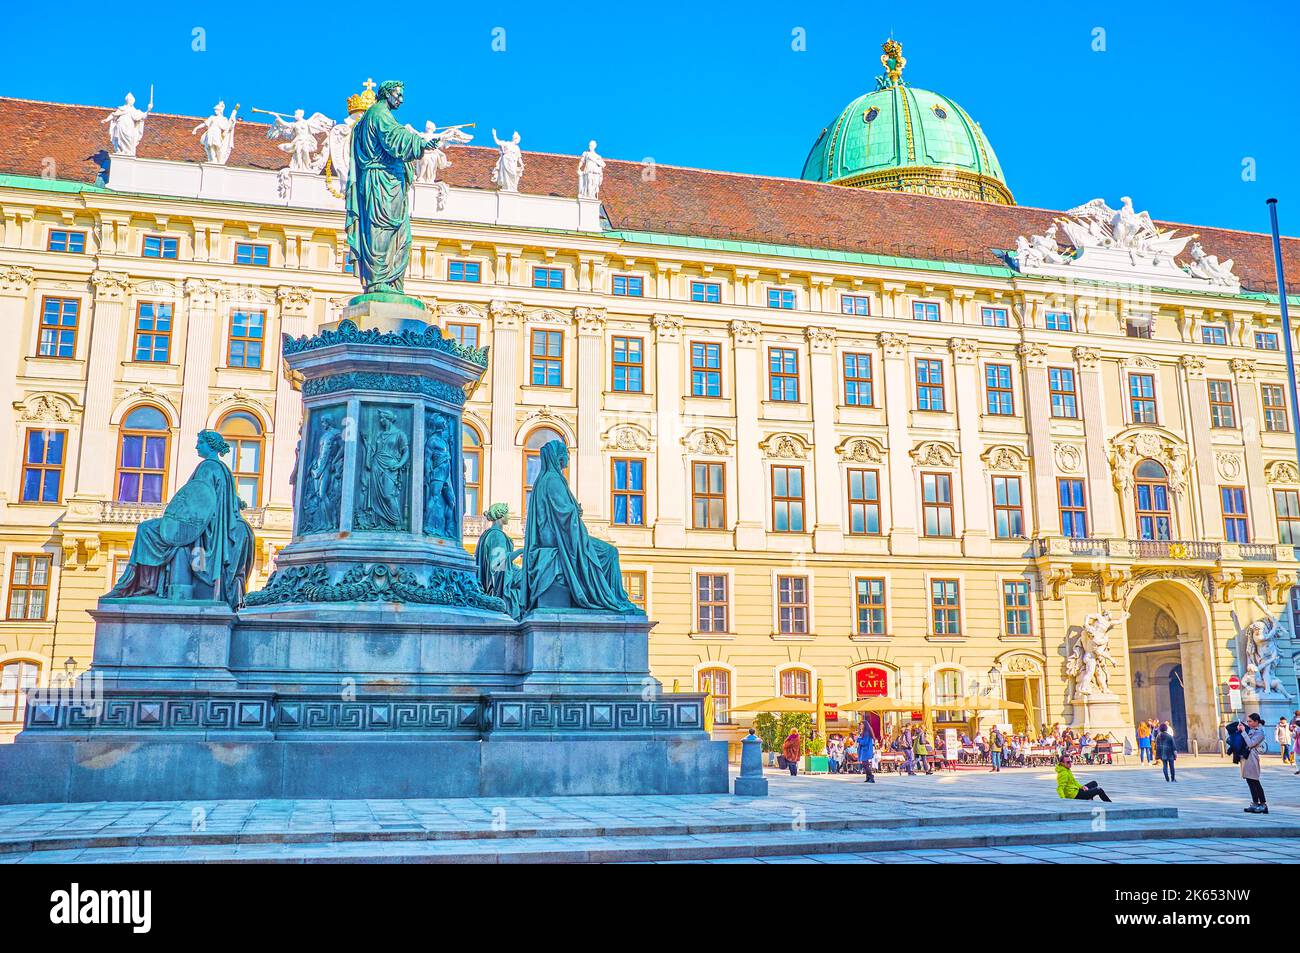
(1068, 786)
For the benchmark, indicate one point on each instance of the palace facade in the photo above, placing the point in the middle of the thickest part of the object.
(839, 432)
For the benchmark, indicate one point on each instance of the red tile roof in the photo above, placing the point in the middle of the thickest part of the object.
(671, 199)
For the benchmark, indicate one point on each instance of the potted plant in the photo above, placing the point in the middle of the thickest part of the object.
(814, 759)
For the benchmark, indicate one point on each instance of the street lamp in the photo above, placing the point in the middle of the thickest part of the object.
(69, 667)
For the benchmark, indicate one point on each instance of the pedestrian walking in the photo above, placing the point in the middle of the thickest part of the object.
(1282, 733)
(792, 751)
(997, 744)
(1068, 786)
(1166, 751)
(908, 753)
(921, 748)
(867, 752)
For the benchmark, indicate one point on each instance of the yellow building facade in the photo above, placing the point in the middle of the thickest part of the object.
(888, 474)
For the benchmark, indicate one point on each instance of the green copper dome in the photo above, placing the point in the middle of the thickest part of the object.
(903, 139)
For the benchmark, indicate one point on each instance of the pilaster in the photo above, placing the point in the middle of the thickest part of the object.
(94, 476)
(201, 297)
(828, 533)
(670, 520)
(1101, 495)
(507, 479)
(902, 479)
(974, 494)
(590, 481)
(751, 523)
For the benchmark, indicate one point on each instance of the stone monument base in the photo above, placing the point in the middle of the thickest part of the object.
(1270, 706)
(1098, 714)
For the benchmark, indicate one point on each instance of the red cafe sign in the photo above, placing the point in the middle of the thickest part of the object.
(871, 682)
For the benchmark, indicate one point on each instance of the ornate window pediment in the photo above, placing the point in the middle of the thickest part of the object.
(1281, 472)
(1004, 458)
(1131, 446)
(48, 408)
(708, 441)
(628, 436)
(934, 453)
(785, 446)
(861, 450)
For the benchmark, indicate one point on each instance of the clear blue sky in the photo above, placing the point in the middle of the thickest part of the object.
(1182, 94)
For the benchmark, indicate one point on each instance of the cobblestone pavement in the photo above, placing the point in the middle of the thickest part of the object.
(897, 816)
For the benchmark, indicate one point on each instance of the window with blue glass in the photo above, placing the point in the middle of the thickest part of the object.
(59, 317)
(782, 298)
(43, 466)
(470, 271)
(1074, 510)
(1152, 492)
(628, 492)
(858, 383)
(997, 389)
(925, 310)
(66, 240)
(1214, 334)
(706, 369)
(548, 278)
(1008, 512)
(247, 331)
(783, 373)
(1062, 392)
(995, 317)
(466, 335)
(1059, 321)
(629, 286)
(349, 263)
(1236, 524)
(706, 292)
(787, 499)
(929, 384)
(1267, 341)
(153, 332)
(859, 305)
(160, 246)
(629, 364)
(548, 359)
(251, 253)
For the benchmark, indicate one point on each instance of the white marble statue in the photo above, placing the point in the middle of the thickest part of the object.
(1037, 250)
(335, 156)
(1209, 267)
(126, 125)
(1262, 655)
(510, 164)
(1096, 225)
(300, 133)
(591, 173)
(1090, 657)
(435, 160)
(218, 133)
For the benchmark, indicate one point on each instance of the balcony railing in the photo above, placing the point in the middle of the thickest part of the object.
(1175, 549)
(135, 513)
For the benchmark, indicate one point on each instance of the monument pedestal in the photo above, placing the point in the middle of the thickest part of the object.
(1270, 706)
(1099, 713)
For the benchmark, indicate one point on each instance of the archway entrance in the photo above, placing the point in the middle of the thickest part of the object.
(1169, 662)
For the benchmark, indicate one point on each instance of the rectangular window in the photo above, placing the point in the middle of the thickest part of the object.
(1139, 327)
(43, 466)
(1236, 524)
(1266, 341)
(629, 364)
(634, 584)
(628, 485)
(1276, 419)
(994, 317)
(1061, 391)
(864, 502)
(1015, 609)
(1058, 321)
(709, 495)
(787, 499)
(65, 240)
(252, 253)
(349, 263)
(467, 271)
(16, 679)
(925, 311)
(1287, 504)
(1073, 507)
(783, 373)
(1214, 334)
(552, 278)
(247, 330)
(1153, 514)
(548, 359)
(936, 503)
(706, 292)
(929, 384)
(859, 305)
(858, 385)
(706, 370)
(1008, 514)
(629, 286)
(792, 605)
(945, 607)
(997, 389)
(782, 298)
(871, 606)
(29, 588)
(59, 320)
(711, 603)
(1142, 398)
(153, 332)
(1223, 412)
(160, 246)
(466, 335)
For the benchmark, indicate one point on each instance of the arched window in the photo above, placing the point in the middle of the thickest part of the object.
(1152, 493)
(533, 457)
(797, 683)
(718, 682)
(472, 452)
(243, 432)
(142, 456)
(16, 677)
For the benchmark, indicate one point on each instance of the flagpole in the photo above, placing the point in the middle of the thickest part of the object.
(1286, 324)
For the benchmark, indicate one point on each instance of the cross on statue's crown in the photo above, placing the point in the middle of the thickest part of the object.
(364, 100)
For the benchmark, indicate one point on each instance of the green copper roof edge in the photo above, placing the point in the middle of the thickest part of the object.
(46, 185)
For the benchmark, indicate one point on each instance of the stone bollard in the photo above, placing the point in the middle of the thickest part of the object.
(751, 782)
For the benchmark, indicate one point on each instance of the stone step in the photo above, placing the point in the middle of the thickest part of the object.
(631, 848)
(857, 822)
